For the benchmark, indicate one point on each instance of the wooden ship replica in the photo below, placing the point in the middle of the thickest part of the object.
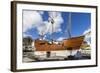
(70, 44)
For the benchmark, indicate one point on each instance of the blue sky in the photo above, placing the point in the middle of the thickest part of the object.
(80, 22)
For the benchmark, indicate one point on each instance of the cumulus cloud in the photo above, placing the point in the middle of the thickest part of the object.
(87, 34)
(41, 29)
(58, 20)
(31, 19)
(86, 31)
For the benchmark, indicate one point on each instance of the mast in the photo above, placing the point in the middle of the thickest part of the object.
(52, 22)
(54, 15)
(69, 32)
(69, 25)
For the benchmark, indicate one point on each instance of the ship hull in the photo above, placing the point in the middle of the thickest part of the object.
(67, 44)
(73, 43)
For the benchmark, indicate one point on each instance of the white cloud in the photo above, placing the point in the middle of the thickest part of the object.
(41, 29)
(87, 34)
(86, 31)
(58, 20)
(31, 19)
